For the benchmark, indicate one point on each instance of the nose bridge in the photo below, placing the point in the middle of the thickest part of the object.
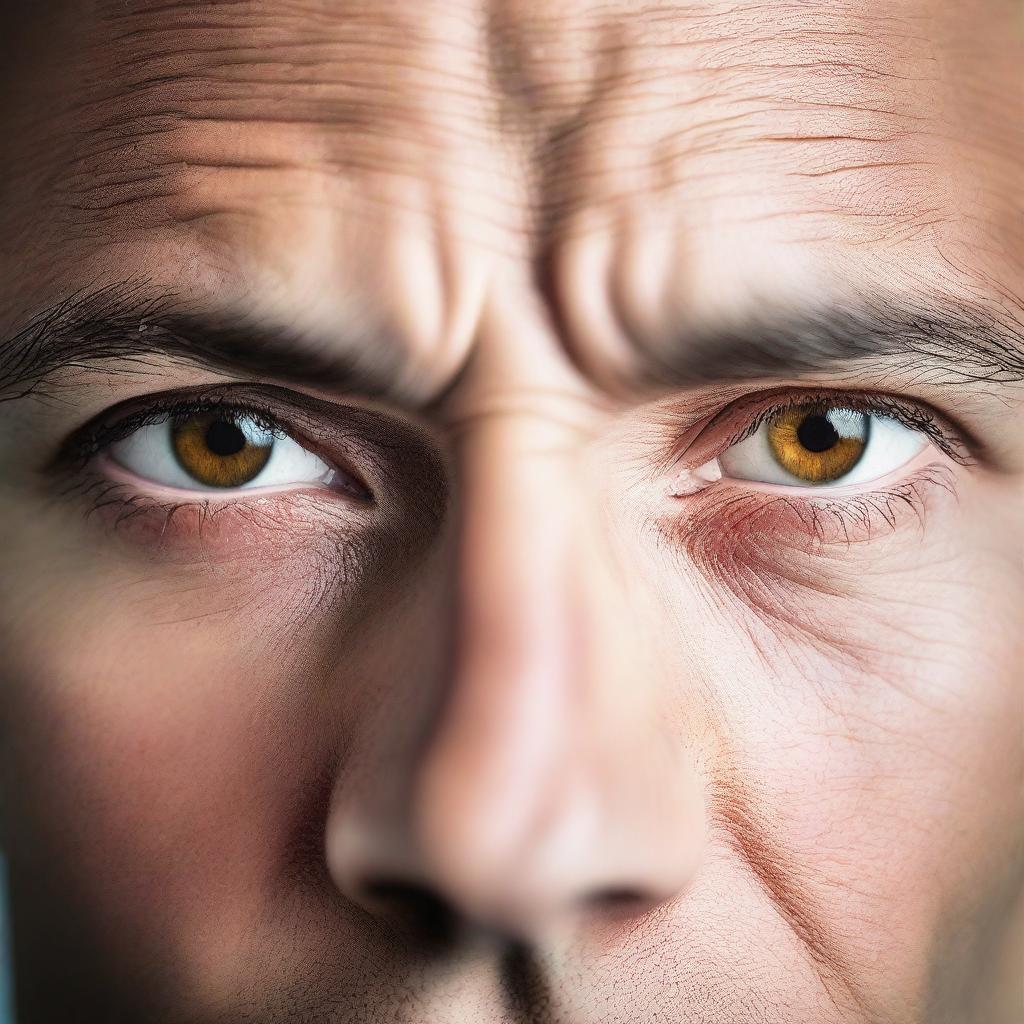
(543, 781)
(519, 689)
(526, 775)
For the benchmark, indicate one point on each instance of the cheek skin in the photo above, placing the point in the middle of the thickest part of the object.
(782, 556)
(171, 744)
(183, 768)
(884, 705)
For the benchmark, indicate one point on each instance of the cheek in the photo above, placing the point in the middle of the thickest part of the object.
(169, 759)
(869, 694)
(175, 755)
(175, 691)
(884, 813)
(827, 573)
(159, 779)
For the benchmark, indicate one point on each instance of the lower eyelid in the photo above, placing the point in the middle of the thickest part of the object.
(341, 484)
(733, 522)
(927, 456)
(114, 471)
(192, 526)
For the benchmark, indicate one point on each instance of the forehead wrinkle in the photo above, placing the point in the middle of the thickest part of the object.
(373, 90)
(677, 101)
(360, 82)
(685, 90)
(712, 104)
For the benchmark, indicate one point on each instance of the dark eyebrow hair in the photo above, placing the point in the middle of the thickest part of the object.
(119, 323)
(943, 344)
(122, 323)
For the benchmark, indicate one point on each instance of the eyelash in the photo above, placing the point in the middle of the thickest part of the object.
(841, 519)
(914, 417)
(159, 410)
(856, 515)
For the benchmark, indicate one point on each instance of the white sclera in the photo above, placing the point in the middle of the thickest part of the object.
(149, 453)
(890, 446)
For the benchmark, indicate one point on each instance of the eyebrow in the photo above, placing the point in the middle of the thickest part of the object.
(117, 325)
(941, 345)
(121, 326)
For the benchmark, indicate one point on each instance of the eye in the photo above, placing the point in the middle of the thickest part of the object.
(819, 445)
(217, 450)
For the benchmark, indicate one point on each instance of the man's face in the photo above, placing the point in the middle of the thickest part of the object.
(513, 512)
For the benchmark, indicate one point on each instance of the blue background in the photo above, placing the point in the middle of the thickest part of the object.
(6, 1014)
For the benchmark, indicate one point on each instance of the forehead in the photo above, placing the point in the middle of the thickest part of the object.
(317, 142)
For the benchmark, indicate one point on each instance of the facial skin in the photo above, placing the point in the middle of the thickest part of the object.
(525, 715)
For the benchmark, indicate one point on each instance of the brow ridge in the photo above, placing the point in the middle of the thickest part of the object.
(950, 343)
(129, 325)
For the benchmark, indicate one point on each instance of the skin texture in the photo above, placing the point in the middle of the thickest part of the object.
(530, 735)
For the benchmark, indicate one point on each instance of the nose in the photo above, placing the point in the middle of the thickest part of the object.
(546, 784)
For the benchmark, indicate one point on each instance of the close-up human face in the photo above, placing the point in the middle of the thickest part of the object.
(513, 512)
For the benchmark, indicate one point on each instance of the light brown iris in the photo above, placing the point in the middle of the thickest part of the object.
(818, 445)
(216, 451)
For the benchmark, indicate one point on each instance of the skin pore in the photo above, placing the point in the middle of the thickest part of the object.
(520, 712)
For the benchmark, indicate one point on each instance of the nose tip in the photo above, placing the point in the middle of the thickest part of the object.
(472, 866)
(528, 875)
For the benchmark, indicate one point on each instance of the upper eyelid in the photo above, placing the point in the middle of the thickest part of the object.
(121, 420)
(952, 438)
(280, 414)
(350, 439)
(129, 425)
(876, 405)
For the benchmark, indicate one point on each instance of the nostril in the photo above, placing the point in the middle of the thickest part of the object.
(624, 901)
(395, 894)
(416, 908)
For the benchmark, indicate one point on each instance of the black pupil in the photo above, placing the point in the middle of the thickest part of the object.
(817, 434)
(224, 438)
